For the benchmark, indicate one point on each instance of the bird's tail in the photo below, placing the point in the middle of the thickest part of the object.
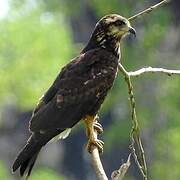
(27, 156)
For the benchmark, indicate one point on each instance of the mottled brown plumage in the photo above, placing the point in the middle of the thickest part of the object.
(79, 89)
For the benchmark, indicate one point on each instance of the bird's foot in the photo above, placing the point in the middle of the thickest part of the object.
(95, 142)
(92, 124)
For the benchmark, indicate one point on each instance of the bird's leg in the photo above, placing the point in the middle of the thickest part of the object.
(97, 126)
(92, 140)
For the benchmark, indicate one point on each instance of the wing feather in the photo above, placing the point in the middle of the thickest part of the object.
(75, 90)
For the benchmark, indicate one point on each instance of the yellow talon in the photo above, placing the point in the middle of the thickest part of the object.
(91, 124)
(98, 143)
(98, 127)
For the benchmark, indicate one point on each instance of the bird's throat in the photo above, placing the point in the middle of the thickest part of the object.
(100, 40)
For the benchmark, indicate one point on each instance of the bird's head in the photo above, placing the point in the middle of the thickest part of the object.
(114, 26)
(108, 32)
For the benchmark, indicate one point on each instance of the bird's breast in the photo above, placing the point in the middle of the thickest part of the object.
(101, 81)
(102, 76)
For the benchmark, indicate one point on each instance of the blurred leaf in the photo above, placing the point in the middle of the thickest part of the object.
(3, 171)
(33, 49)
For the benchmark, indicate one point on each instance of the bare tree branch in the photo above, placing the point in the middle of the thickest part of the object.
(153, 70)
(98, 167)
(96, 162)
(135, 132)
(148, 10)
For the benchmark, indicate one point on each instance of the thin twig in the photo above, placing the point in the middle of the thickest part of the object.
(153, 70)
(120, 173)
(148, 10)
(135, 135)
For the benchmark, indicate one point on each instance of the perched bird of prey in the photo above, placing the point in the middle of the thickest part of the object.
(78, 92)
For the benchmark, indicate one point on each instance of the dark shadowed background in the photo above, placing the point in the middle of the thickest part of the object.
(38, 37)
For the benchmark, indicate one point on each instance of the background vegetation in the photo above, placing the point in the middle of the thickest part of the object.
(39, 37)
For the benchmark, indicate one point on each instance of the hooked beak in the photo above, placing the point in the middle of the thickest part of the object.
(132, 31)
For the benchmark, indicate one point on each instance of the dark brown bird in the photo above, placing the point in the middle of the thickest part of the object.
(78, 91)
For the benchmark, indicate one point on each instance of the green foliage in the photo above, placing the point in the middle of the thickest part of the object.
(33, 48)
(57, 6)
(46, 174)
(117, 134)
(155, 29)
(167, 164)
(3, 172)
(103, 7)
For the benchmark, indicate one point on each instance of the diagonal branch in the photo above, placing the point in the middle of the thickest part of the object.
(98, 167)
(148, 10)
(96, 162)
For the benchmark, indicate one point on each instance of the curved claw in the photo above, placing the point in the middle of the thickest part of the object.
(97, 118)
(98, 127)
(98, 143)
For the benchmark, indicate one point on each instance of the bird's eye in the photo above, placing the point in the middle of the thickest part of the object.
(120, 23)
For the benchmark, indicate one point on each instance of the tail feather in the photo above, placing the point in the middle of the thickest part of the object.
(33, 160)
(24, 167)
(27, 157)
(28, 165)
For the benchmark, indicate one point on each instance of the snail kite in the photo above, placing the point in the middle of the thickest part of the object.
(78, 92)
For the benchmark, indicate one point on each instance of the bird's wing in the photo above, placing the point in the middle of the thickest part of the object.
(47, 97)
(62, 104)
(51, 92)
